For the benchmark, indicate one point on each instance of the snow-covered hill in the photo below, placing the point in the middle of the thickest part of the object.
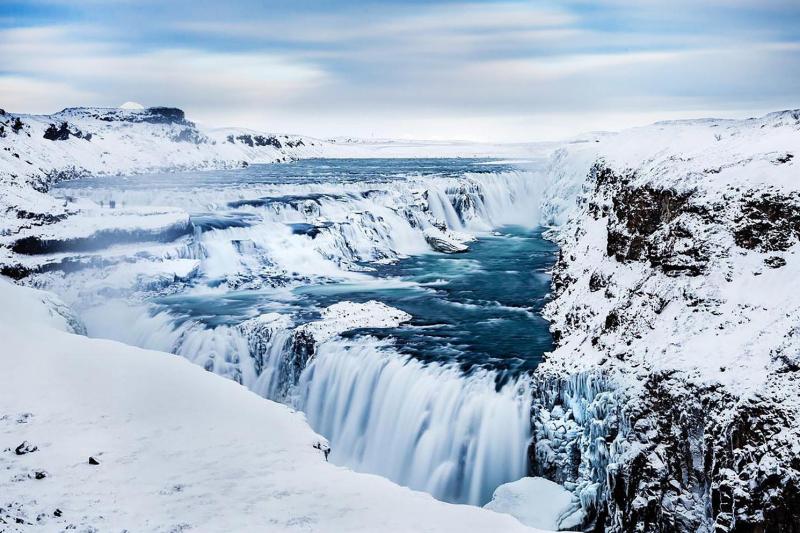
(88, 140)
(80, 141)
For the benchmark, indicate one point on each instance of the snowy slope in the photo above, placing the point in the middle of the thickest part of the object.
(178, 448)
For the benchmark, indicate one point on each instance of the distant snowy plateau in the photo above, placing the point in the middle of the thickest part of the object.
(671, 401)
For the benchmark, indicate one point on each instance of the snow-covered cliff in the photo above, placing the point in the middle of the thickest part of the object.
(671, 402)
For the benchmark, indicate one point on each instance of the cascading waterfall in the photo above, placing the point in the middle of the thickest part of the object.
(428, 427)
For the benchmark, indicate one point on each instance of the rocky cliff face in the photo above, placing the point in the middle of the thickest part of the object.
(671, 402)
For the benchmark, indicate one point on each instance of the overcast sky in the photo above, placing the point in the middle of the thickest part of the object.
(439, 70)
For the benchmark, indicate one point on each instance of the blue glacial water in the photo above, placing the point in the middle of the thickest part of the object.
(480, 308)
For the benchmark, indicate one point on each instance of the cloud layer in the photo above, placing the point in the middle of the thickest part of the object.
(486, 71)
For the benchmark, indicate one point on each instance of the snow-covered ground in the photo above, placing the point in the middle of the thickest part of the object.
(344, 316)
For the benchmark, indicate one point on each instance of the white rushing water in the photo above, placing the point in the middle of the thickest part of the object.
(427, 426)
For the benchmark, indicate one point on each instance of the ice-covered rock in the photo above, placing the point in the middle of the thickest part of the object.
(444, 241)
(347, 316)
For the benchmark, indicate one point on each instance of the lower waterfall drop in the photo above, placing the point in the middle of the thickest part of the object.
(428, 427)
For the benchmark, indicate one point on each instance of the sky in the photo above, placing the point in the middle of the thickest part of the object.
(487, 71)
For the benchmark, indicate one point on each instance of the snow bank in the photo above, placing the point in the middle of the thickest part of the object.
(536, 502)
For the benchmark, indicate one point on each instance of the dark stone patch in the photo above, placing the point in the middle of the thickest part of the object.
(769, 222)
(189, 135)
(25, 448)
(64, 132)
(98, 241)
(311, 230)
(785, 158)
(775, 261)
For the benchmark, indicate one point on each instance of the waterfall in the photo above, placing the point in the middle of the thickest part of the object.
(428, 427)
(431, 426)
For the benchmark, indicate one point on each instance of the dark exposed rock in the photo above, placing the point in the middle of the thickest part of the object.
(612, 321)
(25, 448)
(785, 158)
(164, 115)
(60, 133)
(465, 199)
(769, 222)
(775, 261)
(93, 461)
(189, 135)
(597, 281)
(63, 132)
(260, 140)
(304, 348)
(151, 115)
(17, 125)
(102, 239)
(650, 224)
